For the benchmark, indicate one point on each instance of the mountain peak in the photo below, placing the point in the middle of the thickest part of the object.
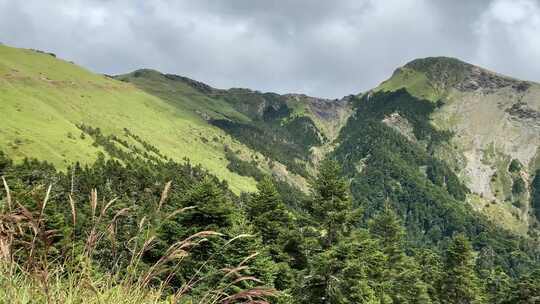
(428, 64)
(432, 78)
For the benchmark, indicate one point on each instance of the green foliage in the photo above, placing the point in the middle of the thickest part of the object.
(387, 228)
(267, 212)
(460, 283)
(498, 286)
(535, 194)
(422, 190)
(515, 166)
(527, 289)
(330, 204)
(242, 167)
(401, 275)
(431, 272)
(439, 173)
(197, 203)
(313, 255)
(272, 142)
(518, 187)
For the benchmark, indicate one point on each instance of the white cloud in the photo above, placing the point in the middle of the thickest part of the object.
(324, 48)
(509, 38)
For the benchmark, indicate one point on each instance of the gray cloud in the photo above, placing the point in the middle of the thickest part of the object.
(322, 48)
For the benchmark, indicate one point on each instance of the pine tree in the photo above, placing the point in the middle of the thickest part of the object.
(401, 278)
(270, 218)
(387, 228)
(332, 211)
(267, 212)
(330, 203)
(460, 283)
(526, 290)
(498, 285)
(431, 268)
(213, 209)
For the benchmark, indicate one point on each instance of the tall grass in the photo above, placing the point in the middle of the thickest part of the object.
(31, 273)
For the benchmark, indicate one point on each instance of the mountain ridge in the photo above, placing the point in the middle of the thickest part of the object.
(240, 134)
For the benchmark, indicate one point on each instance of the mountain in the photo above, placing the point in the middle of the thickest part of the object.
(49, 105)
(473, 121)
(494, 121)
(285, 128)
(384, 195)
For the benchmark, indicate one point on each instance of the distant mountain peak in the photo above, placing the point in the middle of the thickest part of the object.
(429, 64)
(452, 72)
(432, 78)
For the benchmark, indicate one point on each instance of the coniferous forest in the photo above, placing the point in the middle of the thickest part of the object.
(161, 231)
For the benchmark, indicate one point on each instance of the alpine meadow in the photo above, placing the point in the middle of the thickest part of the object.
(123, 181)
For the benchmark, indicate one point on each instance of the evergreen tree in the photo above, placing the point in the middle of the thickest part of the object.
(526, 290)
(362, 269)
(213, 209)
(498, 286)
(535, 194)
(267, 212)
(330, 204)
(401, 279)
(431, 268)
(387, 228)
(460, 283)
(331, 209)
(271, 220)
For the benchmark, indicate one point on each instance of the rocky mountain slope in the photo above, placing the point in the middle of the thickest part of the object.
(494, 120)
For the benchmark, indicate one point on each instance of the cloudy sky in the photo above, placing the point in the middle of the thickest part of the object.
(318, 47)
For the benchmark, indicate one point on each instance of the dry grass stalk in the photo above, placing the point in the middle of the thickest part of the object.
(6, 230)
(73, 210)
(44, 202)
(93, 202)
(176, 212)
(240, 236)
(13, 225)
(164, 194)
(175, 251)
(8, 193)
(255, 295)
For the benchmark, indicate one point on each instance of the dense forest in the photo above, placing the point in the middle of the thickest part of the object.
(172, 232)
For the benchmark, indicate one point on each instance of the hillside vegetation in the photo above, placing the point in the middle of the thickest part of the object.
(156, 188)
(493, 119)
(43, 99)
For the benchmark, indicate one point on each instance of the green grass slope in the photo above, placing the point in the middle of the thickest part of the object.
(43, 99)
(286, 129)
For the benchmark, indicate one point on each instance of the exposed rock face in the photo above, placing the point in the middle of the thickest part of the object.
(494, 119)
(477, 78)
(453, 73)
(521, 111)
(400, 124)
(329, 114)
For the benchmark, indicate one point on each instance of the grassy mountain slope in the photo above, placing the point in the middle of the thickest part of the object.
(290, 130)
(43, 99)
(238, 134)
